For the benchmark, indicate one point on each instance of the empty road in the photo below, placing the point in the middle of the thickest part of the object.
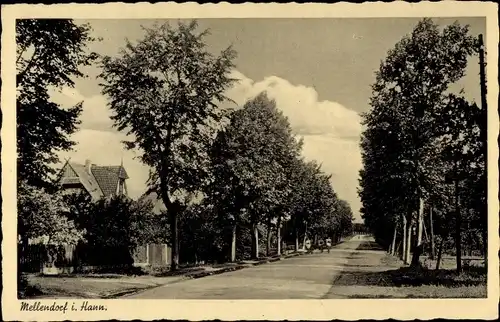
(302, 277)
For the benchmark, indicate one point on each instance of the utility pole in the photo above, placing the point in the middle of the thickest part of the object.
(482, 73)
(484, 122)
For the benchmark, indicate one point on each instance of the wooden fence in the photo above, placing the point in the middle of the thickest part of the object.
(80, 258)
(152, 255)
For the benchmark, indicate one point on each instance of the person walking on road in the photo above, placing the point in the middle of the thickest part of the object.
(328, 244)
(308, 247)
(321, 244)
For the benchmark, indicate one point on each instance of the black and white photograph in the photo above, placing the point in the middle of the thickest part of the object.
(249, 158)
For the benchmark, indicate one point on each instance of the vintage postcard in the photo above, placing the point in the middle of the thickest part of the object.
(248, 162)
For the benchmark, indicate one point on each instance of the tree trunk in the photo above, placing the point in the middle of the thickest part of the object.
(409, 227)
(268, 237)
(278, 235)
(431, 224)
(296, 239)
(398, 248)
(305, 238)
(484, 234)
(420, 228)
(440, 252)
(175, 239)
(418, 246)
(255, 241)
(392, 250)
(405, 238)
(233, 244)
(173, 210)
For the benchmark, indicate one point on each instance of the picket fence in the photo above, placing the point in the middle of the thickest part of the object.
(43, 258)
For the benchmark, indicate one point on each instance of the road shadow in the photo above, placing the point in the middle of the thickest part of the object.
(406, 276)
(357, 265)
(369, 245)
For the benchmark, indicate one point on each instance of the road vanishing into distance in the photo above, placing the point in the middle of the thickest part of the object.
(309, 276)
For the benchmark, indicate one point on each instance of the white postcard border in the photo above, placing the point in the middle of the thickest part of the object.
(351, 309)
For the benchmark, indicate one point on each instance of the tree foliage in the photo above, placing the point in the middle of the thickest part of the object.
(260, 178)
(250, 156)
(115, 221)
(164, 90)
(44, 216)
(50, 53)
(419, 135)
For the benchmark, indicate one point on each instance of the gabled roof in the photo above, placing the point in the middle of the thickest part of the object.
(87, 180)
(108, 177)
(101, 181)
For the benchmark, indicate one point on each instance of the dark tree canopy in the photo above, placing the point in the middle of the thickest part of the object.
(250, 155)
(164, 91)
(50, 53)
(419, 135)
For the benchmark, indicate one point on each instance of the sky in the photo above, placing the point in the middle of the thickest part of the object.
(318, 70)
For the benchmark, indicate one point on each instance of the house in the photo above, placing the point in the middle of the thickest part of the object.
(98, 181)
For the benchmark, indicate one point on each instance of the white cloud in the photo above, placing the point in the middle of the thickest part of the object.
(95, 115)
(330, 131)
(301, 105)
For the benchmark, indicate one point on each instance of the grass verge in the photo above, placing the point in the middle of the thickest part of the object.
(387, 279)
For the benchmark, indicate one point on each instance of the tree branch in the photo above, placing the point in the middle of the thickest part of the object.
(21, 75)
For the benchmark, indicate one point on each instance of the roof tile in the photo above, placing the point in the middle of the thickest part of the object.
(101, 182)
(107, 177)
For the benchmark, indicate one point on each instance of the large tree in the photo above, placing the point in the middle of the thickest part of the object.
(50, 53)
(164, 91)
(304, 198)
(384, 179)
(249, 157)
(409, 96)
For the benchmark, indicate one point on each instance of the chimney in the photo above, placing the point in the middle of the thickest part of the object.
(88, 166)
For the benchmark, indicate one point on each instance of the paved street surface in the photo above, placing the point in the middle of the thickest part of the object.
(302, 277)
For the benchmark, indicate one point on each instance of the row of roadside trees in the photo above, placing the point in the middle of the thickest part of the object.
(423, 185)
(225, 176)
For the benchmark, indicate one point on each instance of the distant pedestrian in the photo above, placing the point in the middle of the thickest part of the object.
(321, 244)
(308, 246)
(328, 244)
